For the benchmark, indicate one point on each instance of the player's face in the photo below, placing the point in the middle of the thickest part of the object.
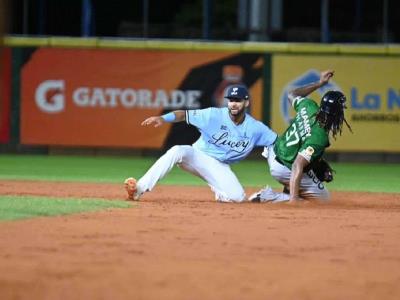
(237, 107)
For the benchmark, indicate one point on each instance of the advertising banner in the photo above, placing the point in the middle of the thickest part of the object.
(100, 97)
(5, 87)
(372, 88)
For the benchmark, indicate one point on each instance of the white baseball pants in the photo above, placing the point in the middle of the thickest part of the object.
(219, 176)
(310, 186)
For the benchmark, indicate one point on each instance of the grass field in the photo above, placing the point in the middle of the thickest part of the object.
(252, 173)
(22, 207)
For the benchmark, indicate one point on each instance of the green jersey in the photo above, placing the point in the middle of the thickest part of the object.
(304, 136)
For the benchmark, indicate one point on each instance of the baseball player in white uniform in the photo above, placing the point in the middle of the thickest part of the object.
(228, 135)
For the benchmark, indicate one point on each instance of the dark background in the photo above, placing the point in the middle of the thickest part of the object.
(349, 20)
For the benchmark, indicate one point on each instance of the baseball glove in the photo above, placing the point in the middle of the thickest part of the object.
(323, 170)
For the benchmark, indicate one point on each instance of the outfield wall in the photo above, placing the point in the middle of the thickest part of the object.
(72, 92)
(5, 95)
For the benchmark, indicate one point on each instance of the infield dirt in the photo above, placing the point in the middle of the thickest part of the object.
(178, 243)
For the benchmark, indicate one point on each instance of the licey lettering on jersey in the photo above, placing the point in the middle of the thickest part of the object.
(222, 139)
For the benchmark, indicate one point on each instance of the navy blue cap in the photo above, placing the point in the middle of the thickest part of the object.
(237, 92)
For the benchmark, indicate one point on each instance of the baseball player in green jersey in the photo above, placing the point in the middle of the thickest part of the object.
(303, 143)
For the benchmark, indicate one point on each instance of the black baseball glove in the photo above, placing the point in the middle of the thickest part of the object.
(323, 170)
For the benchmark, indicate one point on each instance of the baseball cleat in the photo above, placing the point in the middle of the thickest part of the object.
(256, 197)
(131, 189)
(263, 195)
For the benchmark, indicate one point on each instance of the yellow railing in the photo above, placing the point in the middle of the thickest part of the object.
(270, 47)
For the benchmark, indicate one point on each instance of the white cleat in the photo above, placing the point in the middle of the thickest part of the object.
(131, 189)
(264, 195)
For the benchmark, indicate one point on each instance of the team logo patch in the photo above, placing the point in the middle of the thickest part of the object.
(309, 151)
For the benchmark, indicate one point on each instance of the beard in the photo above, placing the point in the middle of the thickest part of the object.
(237, 112)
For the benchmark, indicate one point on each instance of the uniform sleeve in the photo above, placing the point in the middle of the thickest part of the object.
(311, 151)
(198, 117)
(267, 136)
(299, 102)
(296, 101)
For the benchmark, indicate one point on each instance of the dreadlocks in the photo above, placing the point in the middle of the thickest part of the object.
(332, 123)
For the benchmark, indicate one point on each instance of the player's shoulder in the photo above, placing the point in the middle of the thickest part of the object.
(208, 111)
(254, 123)
(216, 110)
(201, 116)
(217, 114)
(303, 101)
(251, 120)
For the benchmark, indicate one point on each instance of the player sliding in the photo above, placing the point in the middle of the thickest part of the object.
(227, 135)
(296, 155)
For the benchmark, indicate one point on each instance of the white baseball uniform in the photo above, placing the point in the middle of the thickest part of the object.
(221, 143)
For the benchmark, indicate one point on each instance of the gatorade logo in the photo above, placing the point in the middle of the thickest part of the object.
(308, 77)
(49, 96)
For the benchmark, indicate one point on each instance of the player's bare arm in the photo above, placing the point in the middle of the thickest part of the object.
(304, 91)
(297, 172)
(172, 117)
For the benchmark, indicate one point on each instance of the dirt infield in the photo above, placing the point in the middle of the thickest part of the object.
(179, 244)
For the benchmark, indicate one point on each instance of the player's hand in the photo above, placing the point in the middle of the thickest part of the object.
(156, 121)
(294, 199)
(325, 76)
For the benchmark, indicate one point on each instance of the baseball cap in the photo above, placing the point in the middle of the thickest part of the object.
(237, 92)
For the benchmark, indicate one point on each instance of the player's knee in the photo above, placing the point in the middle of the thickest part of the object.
(320, 194)
(231, 196)
(325, 195)
(178, 152)
(274, 174)
(238, 197)
(174, 149)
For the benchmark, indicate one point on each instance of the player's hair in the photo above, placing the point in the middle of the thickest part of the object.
(331, 113)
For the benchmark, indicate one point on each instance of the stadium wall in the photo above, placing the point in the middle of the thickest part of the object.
(91, 94)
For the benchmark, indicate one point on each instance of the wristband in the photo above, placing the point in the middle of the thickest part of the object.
(169, 117)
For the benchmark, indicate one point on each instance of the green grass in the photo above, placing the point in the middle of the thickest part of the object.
(71, 168)
(22, 207)
(366, 177)
(358, 177)
(252, 173)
